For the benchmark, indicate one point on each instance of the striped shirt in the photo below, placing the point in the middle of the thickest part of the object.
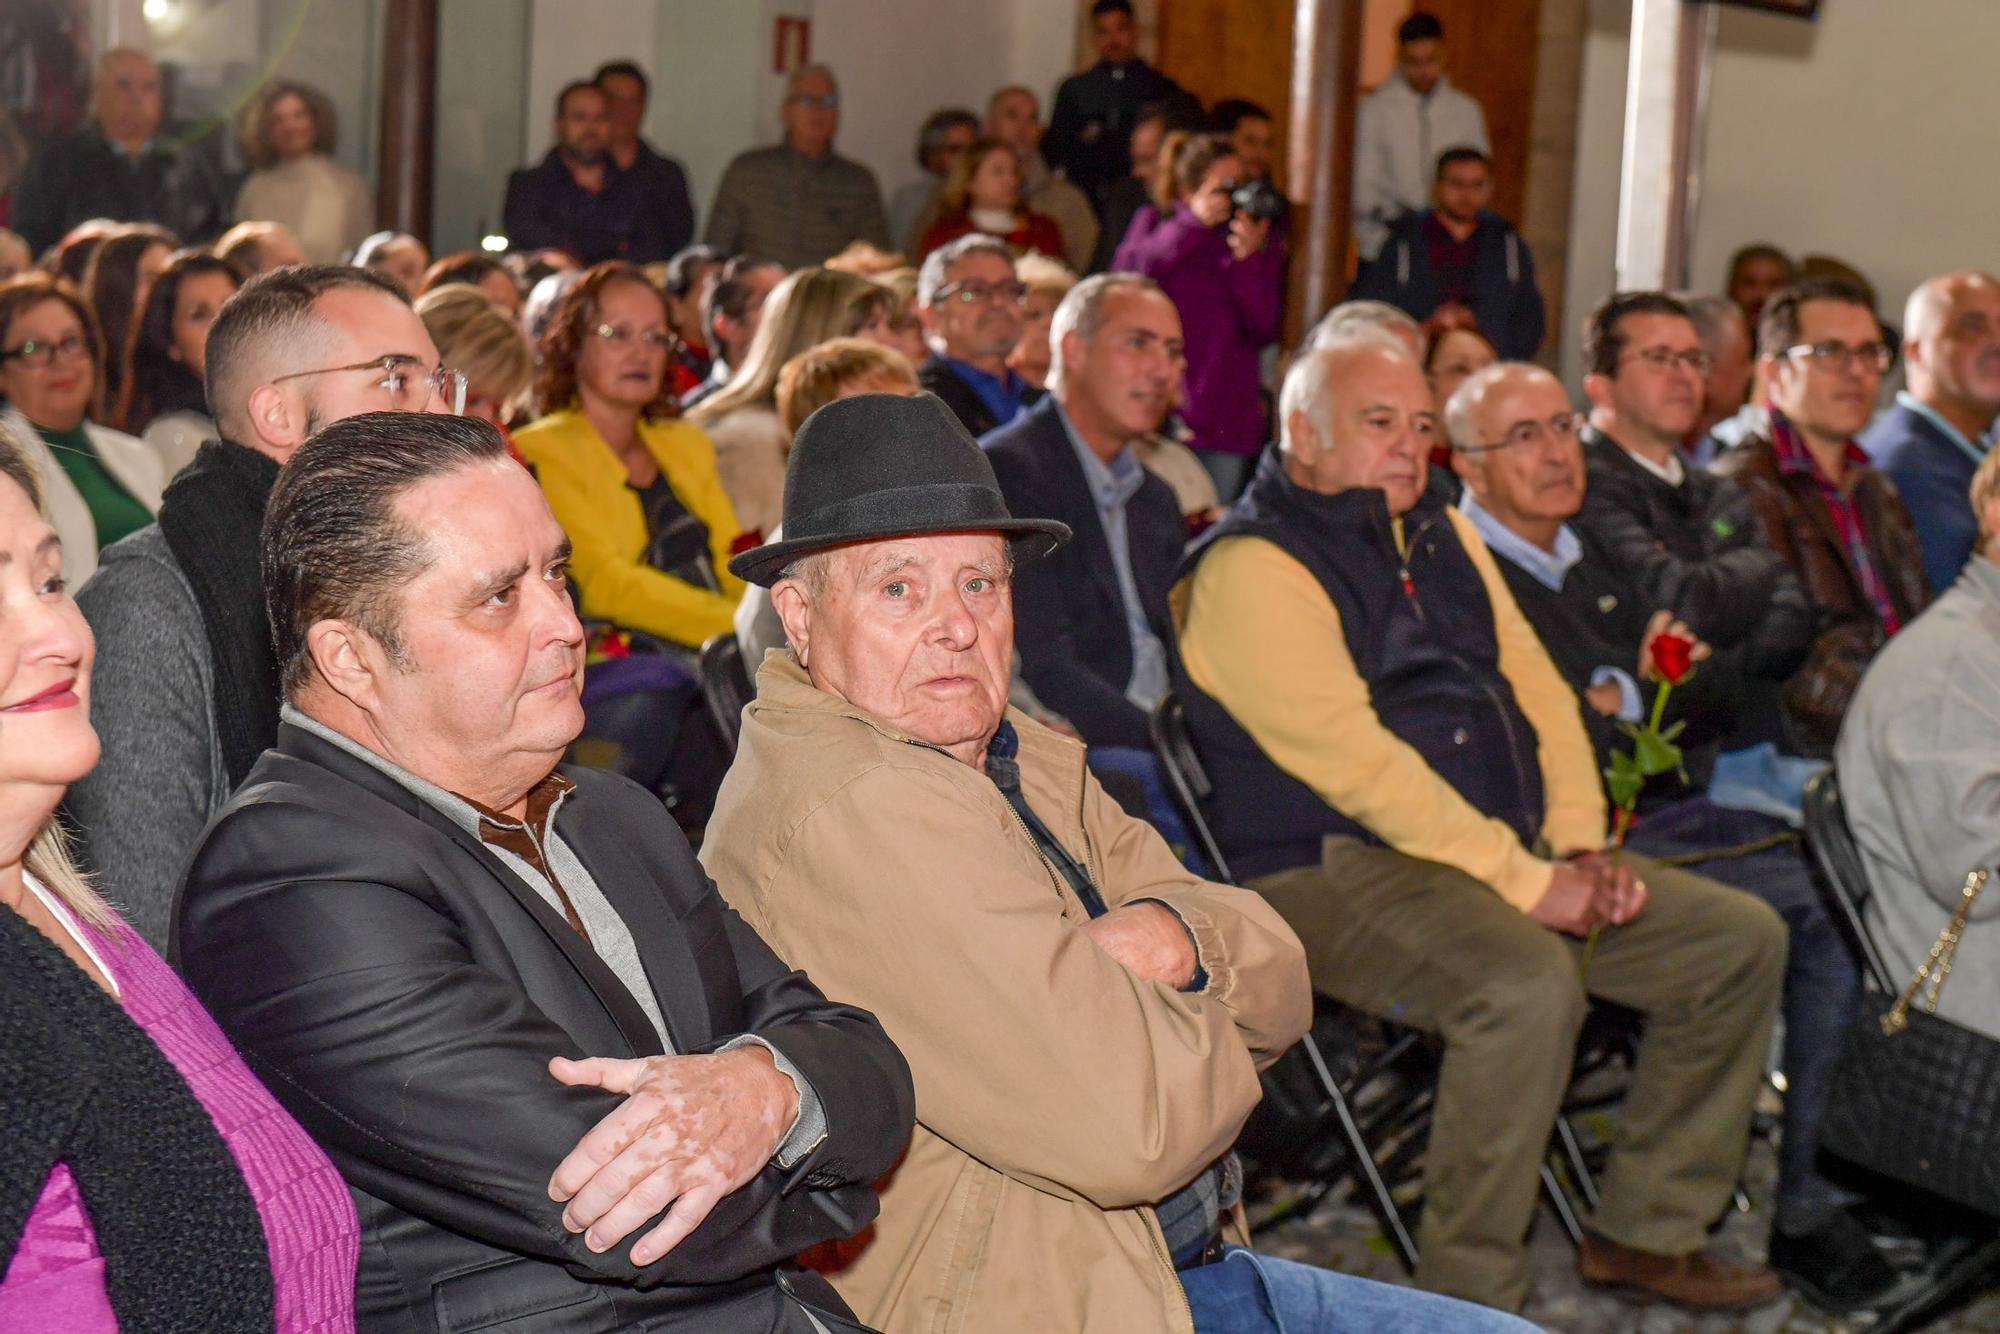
(798, 210)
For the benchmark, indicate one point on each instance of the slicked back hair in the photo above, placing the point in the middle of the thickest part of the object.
(1604, 336)
(1081, 312)
(334, 547)
(269, 324)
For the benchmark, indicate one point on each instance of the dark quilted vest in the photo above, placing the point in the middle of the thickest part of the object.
(1421, 635)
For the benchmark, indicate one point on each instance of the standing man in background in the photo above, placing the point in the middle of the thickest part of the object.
(656, 183)
(1402, 127)
(1090, 129)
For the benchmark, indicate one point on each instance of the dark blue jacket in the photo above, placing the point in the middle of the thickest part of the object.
(1502, 294)
(1933, 472)
(1069, 616)
(1422, 636)
(641, 215)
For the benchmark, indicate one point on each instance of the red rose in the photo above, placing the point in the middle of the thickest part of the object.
(1673, 657)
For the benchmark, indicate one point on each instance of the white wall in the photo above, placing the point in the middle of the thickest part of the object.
(1867, 135)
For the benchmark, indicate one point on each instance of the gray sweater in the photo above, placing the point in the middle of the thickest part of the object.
(1919, 763)
(161, 776)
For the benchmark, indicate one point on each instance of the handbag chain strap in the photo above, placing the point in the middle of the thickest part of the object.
(1937, 967)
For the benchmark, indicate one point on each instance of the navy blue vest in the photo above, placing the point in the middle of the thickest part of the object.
(1421, 635)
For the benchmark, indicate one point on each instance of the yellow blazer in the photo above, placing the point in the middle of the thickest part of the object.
(586, 487)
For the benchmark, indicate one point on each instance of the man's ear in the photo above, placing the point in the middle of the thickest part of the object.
(795, 610)
(349, 660)
(927, 317)
(1303, 438)
(1597, 388)
(275, 418)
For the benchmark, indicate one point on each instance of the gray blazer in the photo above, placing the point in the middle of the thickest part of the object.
(1919, 763)
(152, 699)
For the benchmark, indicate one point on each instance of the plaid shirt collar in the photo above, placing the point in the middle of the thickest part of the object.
(1789, 448)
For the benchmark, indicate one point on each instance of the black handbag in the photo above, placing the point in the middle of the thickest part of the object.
(1915, 1097)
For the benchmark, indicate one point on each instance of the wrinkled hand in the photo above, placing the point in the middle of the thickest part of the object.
(1587, 892)
(1665, 623)
(691, 1130)
(1247, 235)
(1605, 697)
(1621, 894)
(1148, 940)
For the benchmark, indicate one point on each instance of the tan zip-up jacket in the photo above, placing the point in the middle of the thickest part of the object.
(1058, 1096)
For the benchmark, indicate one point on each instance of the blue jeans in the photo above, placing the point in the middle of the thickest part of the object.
(1822, 983)
(1248, 1293)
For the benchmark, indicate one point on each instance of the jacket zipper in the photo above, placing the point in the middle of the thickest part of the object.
(1499, 707)
(1159, 1243)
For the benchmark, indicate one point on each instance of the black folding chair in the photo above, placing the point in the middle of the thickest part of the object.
(1960, 1267)
(725, 685)
(1384, 1145)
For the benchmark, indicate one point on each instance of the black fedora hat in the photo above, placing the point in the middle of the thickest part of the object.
(889, 465)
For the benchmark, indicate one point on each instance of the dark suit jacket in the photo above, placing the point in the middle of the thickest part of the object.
(937, 376)
(1069, 615)
(1934, 476)
(401, 992)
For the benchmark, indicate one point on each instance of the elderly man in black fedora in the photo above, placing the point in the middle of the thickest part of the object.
(569, 1088)
(1084, 1019)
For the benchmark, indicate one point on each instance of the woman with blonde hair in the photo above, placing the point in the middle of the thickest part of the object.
(1048, 281)
(807, 308)
(287, 134)
(983, 194)
(476, 338)
(150, 1181)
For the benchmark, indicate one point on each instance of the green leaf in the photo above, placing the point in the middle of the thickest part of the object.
(1623, 780)
(1670, 733)
(1654, 754)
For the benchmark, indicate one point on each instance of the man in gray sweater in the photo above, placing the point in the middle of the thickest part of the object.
(185, 694)
(1919, 763)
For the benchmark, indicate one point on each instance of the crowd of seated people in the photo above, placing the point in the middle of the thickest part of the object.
(353, 607)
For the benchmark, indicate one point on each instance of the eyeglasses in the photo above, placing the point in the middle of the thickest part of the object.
(39, 355)
(824, 101)
(1665, 359)
(972, 291)
(619, 336)
(1533, 434)
(1834, 355)
(410, 388)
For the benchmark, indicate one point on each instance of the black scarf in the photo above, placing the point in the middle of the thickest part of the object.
(82, 1084)
(213, 519)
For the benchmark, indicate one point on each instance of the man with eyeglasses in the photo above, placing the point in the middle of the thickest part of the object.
(1401, 771)
(969, 303)
(186, 692)
(1932, 440)
(1515, 446)
(799, 202)
(1823, 506)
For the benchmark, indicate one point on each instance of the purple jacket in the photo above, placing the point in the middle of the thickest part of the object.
(1230, 309)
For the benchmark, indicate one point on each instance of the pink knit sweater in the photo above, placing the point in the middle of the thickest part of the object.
(55, 1282)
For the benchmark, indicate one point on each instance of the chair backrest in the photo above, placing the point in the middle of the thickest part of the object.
(1843, 878)
(725, 684)
(1186, 777)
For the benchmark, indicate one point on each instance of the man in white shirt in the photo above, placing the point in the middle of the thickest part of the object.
(1401, 128)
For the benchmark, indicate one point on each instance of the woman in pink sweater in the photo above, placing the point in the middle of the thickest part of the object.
(147, 1180)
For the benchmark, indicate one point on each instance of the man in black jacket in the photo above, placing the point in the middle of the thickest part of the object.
(970, 303)
(1090, 127)
(1514, 442)
(576, 199)
(657, 183)
(465, 954)
(1689, 541)
(1095, 634)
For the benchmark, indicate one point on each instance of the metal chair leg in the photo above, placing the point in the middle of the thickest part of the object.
(1384, 1204)
(1559, 1200)
(1579, 1170)
(1959, 1281)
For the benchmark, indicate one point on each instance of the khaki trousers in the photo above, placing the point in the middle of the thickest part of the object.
(1428, 946)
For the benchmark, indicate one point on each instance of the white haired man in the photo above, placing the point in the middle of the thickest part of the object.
(1445, 861)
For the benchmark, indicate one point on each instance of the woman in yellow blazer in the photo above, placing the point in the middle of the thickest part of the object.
(635, 489)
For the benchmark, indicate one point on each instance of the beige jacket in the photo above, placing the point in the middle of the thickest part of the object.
(1058, 1096)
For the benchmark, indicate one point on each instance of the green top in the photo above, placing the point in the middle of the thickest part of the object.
(112, 508)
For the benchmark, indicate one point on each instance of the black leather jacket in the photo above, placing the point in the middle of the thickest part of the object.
(401, 992)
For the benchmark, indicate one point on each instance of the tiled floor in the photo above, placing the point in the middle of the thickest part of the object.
(1344, 1236)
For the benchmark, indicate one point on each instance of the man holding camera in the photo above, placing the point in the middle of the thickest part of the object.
(1458, 264)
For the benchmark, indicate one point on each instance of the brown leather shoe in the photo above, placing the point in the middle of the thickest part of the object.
(1699, 1282)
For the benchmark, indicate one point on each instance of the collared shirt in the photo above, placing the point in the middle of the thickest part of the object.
(795, 209)
(1451, 258)
(1673, 474)
(1789, 448)
(1112, 487)
(1002, 394)
(1972, 449)
(562, 881)
(1550, 569)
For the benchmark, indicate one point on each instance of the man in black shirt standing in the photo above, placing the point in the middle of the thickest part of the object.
(118, 167)
(575, 199)
(1090, 128)
(1515, 444)
(656, 183)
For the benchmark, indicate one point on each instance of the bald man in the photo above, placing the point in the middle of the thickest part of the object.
(118, 167)
(1930, 442)
(1014, 117)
